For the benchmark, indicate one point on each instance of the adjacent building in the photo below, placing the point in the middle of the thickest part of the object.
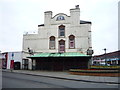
(112, 58)
(62, 42)
(1, 57)
(12, 60)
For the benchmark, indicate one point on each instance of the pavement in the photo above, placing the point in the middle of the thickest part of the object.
(68, 76)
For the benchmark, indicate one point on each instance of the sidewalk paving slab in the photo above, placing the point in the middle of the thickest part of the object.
(68, 76)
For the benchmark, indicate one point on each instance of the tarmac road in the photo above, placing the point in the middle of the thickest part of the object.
(15, 80)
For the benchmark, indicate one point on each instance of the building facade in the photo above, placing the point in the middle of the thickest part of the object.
(60, 34)
(12, 60)
(1, 57)
(112, 58)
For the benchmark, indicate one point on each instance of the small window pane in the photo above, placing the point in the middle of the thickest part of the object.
(62, 46)
(60, 18)
(71, 44)
(62, 34)
(61, 30)
(71, 41)
(52, 42)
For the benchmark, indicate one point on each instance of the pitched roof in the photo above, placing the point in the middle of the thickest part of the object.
(109, 55)
(85, 22)
(40, 25)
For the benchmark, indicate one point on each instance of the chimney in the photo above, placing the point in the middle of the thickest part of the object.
(77, 6)
(47, 17)
(75, 15)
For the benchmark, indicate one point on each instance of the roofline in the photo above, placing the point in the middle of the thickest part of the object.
(60, 13)
(81, 21)
(85, 22)
(60, 57)
(107, 54)
(41, 25)
(13, 52)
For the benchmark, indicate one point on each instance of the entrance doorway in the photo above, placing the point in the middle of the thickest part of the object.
(17, 65)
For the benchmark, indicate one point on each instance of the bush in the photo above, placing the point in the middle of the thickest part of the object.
(105, 67)
(93, 71)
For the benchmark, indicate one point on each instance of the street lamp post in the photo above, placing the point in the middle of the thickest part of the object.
(105, 56)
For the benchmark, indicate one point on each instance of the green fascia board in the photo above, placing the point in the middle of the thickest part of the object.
(68, 54)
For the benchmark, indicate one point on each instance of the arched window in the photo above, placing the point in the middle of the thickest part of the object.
(61, 46)
(62, 31)
(71, 41)
(52, 42)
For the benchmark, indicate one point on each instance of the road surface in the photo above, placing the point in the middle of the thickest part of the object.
(15, 80)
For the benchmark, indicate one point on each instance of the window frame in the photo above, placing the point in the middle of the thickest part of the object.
(61, 29)
(60, 18)
(52, 42)
(73, 40)
(61, 45)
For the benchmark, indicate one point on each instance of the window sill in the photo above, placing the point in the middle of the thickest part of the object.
(71, 48)
(61, 37)
(52, 48)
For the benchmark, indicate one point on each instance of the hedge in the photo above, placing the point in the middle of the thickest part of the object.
(105, 67)
(93, 71)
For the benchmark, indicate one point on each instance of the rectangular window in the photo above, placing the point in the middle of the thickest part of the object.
(62, 48)
(62, 33)
(71, 44)
(52, 44)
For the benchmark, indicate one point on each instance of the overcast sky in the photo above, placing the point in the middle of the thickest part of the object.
(20, 16)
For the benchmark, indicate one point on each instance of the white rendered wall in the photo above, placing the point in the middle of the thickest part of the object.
(17, 58)
(40, 42)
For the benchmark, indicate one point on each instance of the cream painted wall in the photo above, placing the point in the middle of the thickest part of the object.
(40, 42)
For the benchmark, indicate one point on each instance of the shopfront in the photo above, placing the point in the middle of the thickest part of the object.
(60, 62)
